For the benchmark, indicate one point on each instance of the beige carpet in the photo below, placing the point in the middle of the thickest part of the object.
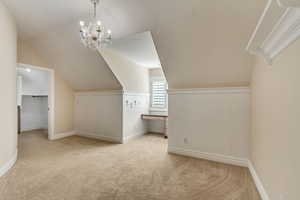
(77, 168)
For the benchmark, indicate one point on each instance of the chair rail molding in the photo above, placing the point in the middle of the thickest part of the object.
(99, 93)
(220, 90)
(277, 28)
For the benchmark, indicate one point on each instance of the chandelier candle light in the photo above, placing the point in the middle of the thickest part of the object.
(93, 34)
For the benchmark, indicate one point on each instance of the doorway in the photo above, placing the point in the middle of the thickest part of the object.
(35, 99)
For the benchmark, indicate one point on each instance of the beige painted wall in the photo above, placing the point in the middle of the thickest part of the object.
(215, 121)
(64, 106)
(8, 59)
(275, 128)
(64, 95)
(133, 78)
(104, 111)
(157, 72)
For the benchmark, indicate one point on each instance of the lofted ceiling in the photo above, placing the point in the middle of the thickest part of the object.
(139, 48)
(200, 43)
(82, 68)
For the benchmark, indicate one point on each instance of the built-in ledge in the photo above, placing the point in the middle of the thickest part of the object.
(277, 28)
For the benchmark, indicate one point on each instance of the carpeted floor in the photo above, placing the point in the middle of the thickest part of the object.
(77, 168)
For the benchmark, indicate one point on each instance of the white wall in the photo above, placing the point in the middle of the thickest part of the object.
(213, 121)
(275, 123)
(35, 82)
(133, 77)
(34, 113)
(156, 72)
(134, 105)
(99, 115)
(111, 116)
(19, 90)
(8, 102)
(135, 82)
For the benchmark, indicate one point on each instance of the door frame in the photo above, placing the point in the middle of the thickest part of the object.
(51, 97)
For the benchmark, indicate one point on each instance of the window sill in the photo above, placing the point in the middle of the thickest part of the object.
(159, 109)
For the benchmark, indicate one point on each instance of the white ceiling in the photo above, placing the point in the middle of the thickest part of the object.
(34, 79)
(138, 48)
(82, 68)
(198, 42)
(36, 17)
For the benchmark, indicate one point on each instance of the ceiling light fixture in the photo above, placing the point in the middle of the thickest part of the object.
(93, 34)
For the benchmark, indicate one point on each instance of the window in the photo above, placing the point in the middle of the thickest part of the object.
(159, 96)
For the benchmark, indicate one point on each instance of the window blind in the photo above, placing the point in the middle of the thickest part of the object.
(159, 94)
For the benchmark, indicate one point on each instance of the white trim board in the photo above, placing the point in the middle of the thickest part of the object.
(229, 90)
(51, 97)
(9, 164)
(209, 156)
(100, 137)
(100, 93)
(277, 28)
(62, 135)
(259, 185)
(136, 94)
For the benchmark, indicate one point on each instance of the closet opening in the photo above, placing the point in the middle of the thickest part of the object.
(35, 100)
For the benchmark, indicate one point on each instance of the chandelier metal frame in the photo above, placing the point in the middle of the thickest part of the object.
(93, 34)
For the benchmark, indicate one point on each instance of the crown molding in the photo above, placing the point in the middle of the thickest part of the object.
(277, 28)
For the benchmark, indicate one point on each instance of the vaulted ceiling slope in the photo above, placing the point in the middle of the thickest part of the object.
(138, 48)
(200, 43)
(83, 68)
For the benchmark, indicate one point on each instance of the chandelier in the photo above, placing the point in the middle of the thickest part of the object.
(93, 35)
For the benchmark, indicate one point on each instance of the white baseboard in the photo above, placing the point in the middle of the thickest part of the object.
(9, 164)
(259, 185)
(209, 156)
(61, 135)
(100, 137)
(131, 137)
